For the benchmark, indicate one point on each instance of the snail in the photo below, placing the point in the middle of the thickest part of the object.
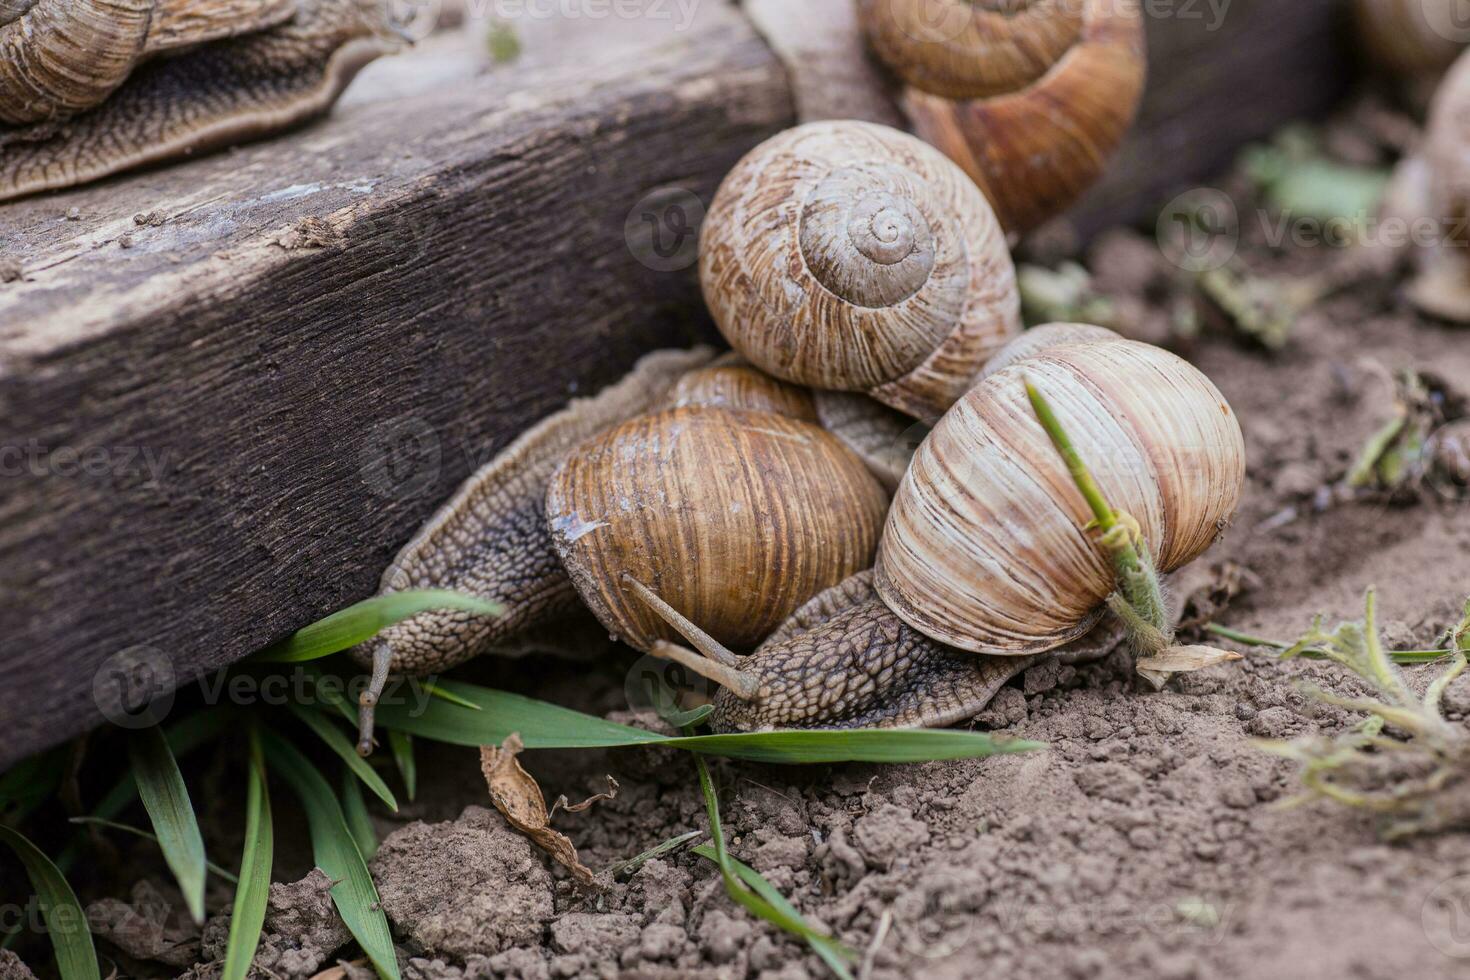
(1411, 39)
(1427, 204)
(707, 477)
(1029, 97)
(848, 256)
(987, 560)
(86, 92)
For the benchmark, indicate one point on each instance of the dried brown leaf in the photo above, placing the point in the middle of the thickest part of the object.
(517, 796)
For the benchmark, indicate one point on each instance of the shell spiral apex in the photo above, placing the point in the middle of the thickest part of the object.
(985, 547)
(852, 257)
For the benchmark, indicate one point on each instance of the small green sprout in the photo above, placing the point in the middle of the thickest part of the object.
(1416, 778)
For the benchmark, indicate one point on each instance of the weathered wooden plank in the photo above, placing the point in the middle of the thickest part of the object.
(220, 419)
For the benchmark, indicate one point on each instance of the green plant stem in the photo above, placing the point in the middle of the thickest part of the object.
(1137, 580)
(138, 832)
(1246, 639)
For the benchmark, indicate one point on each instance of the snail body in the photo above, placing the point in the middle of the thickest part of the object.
(60, 57)
(1029, 97)
(82, 95)
(707, 477)
(851, 257)
(986, 561)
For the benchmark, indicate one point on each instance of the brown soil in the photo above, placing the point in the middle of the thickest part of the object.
(1145, 841)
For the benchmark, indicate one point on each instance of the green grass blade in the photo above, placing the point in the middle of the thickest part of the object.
(893, 745)
(76, 957)
(166, 798)
(548, 726)
(757, 898)
(335, 852)
(451, 697)
(348, 627)
(339, 743)
(832, 952)
(401, 745)
(625, 869)
(354, 808)
(139, 832)
(253, 892)
(184, 736)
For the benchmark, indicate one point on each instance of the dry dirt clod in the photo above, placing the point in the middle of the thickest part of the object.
(469, 886)
(302, 930)
(11, 967)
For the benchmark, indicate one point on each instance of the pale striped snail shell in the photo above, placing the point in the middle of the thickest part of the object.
(985, 547)
(852, 257)
(1030, 97)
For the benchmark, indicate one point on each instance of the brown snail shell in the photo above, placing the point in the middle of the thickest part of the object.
(852, 257)
(731, 383)
(985, 547)
(735, 518)
(1030, 97)
(1410, 38)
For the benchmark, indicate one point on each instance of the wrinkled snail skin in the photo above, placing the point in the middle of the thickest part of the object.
(985, 547)
(215, 94)
(491, 539)
(846, 661)
(1030, 97)
(60, 57)
(851, 257)
(735, 518)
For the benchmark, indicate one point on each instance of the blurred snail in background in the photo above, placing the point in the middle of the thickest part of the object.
(852, 257)
(1030, 97)
(1428, 200)
(139, 81)
(986, 559)
(709, 478)
(1411, 39)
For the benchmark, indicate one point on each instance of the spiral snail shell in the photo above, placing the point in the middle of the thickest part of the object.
(985, 547)
(852, 257)
(1029, 97)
